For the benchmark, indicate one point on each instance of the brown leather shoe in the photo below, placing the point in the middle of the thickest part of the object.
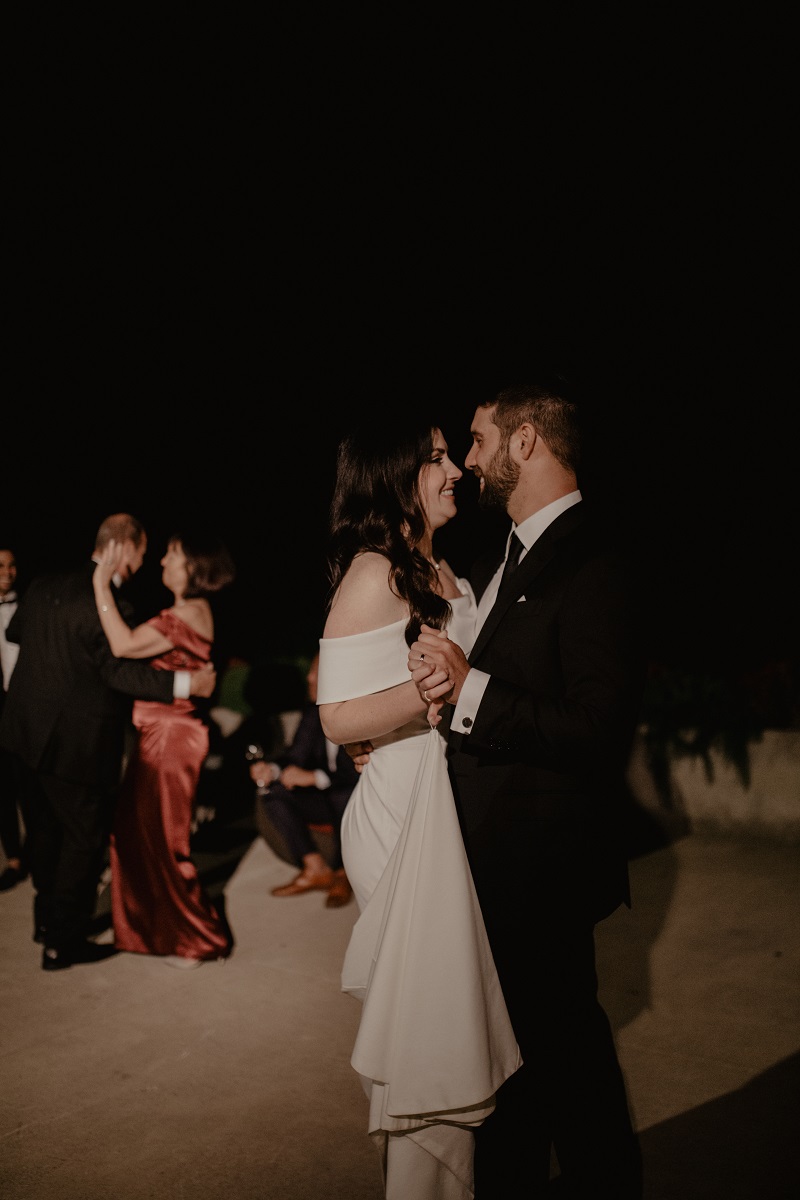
(304, 882)
(340, 892)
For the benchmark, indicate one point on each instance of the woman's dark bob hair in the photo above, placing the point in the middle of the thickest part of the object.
(208, 562)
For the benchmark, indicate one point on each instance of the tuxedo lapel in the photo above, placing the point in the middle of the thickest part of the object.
(514, 586)
(520, 580)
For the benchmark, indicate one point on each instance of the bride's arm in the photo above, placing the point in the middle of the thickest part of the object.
(369, 717)
(365, 602)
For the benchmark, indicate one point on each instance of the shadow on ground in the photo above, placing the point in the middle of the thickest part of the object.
(737, 1147)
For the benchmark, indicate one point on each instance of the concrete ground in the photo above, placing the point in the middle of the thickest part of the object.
(133, 1080)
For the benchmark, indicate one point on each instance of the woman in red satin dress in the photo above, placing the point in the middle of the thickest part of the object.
(158, 904)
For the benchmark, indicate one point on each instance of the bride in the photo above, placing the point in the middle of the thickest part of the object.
(434, 1041)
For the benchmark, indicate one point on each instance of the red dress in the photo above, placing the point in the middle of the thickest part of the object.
(157, 902)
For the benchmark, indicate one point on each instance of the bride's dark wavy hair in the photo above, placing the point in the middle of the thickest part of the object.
(377, 505)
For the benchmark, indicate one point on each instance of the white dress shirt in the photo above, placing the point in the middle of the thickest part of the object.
(8, 650)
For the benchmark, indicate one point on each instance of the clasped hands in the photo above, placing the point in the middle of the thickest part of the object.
(438, 668)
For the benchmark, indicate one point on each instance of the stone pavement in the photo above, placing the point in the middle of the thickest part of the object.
(132, 1080)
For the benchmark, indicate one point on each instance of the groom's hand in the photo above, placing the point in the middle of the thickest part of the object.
(203, 681)
(359, 752)
(438, 666)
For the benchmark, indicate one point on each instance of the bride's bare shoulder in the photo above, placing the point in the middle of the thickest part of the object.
(365, 599)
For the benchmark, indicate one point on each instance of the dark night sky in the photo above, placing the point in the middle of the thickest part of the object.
(209, 284)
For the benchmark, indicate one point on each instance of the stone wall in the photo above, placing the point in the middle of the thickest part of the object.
(768, 807)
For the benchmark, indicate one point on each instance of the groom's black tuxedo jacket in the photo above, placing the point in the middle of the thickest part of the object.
(69, 700)
(539, 781)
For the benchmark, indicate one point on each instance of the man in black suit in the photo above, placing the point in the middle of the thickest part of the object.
(309, 784)
(65, 719)
(541, 718)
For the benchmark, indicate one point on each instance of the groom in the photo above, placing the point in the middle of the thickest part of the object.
(541, 718)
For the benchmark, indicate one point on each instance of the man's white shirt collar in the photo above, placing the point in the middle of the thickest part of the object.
(532, 528)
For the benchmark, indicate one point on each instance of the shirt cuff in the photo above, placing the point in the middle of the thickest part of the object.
(322, 780)
(469, 701)
(182, 685)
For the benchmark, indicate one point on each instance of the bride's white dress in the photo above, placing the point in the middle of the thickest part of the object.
(434, 1042)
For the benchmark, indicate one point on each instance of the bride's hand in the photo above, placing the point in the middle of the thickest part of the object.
(434, 686)
(437, 665)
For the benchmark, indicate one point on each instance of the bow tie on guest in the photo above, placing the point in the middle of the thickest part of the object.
(512, 558)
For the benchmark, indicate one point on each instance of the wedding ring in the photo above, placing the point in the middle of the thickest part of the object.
(426, 697)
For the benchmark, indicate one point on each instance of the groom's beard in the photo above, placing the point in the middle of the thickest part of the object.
(499, 480)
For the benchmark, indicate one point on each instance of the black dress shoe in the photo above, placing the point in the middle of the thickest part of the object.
(77, 952)
(11, 877)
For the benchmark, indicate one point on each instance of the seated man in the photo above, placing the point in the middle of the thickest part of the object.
(309, 784)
